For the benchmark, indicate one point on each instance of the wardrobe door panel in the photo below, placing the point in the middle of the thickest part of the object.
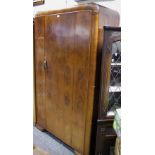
(39, 72)
(67, 50)
(39, 27)
(81, 77)
(59, 33)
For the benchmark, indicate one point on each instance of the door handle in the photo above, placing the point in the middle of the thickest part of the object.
(45, 64)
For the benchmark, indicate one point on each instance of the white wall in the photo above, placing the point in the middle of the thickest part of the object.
(53, 5)
(115, 5)
(59, 4)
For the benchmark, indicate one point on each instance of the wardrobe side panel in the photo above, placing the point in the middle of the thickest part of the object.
(108, 17)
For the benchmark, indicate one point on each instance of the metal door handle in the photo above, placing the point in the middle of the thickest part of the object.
(45, 64)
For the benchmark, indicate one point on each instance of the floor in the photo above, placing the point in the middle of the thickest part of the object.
(48, 143)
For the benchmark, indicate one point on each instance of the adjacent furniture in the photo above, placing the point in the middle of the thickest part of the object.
(110, 90)
(67, 69)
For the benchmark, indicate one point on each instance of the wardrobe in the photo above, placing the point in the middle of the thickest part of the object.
(67, 72)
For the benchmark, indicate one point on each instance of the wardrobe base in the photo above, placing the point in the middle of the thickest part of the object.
(40, 128)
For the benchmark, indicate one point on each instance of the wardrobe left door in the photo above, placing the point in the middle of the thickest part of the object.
(39, 72)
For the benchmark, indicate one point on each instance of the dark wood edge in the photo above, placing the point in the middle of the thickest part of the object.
(34, 84)
(39, 2)
(106, 53)
(111, 28)
(96, 92)
(92, 70)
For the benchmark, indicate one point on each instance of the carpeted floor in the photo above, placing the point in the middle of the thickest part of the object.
(49, 144)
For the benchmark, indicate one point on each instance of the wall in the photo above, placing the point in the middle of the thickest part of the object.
(115, 5)
(53, 5)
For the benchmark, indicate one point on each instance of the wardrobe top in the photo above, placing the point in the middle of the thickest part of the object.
(95, 8)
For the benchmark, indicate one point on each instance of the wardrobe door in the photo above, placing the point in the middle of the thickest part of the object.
(82, 53)
(67, 51)
(39, 71)
(59, 47)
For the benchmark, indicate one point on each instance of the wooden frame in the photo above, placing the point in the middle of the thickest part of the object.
(106, 65)
(105, 134)
(38, 2)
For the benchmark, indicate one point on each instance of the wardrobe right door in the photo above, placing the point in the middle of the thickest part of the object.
(67, 53)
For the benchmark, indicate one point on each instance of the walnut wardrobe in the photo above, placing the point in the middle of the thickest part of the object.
(67, 69)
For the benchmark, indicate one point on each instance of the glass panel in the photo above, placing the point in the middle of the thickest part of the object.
(116, 52)
(115, 79)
